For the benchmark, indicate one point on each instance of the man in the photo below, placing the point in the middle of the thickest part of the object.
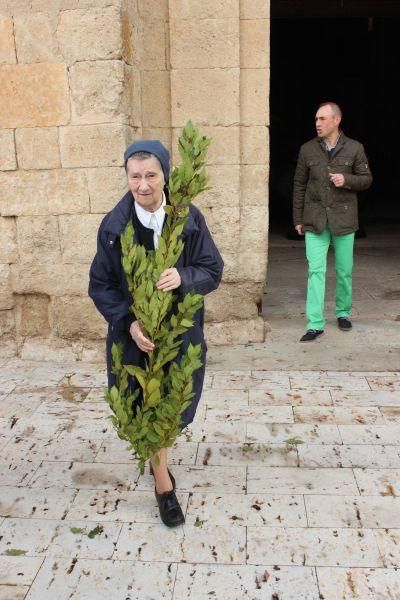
(331, 169)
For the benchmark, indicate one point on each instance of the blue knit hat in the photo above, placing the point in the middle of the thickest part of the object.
(153, 147)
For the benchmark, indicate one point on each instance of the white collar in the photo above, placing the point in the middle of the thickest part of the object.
(144, 215)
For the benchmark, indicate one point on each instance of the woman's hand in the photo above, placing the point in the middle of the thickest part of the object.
(169, 280)
(141, 341)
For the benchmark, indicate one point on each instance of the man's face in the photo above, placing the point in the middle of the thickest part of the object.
(325, 122)
(146, 182)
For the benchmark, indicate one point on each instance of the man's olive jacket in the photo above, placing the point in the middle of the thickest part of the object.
(317, 203)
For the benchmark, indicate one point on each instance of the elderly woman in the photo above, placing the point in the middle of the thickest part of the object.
(199, 268)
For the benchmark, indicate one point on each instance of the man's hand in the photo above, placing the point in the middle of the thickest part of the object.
(337, 179)
(169, 280)
(137, 335)
(299, 229)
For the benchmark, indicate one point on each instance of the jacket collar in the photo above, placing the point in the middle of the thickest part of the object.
(341, 143)
(124, 211)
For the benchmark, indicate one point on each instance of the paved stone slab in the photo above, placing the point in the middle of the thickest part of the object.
(40, 427)
(277, 433)
(382, 482)
(261, 414)
(202, 543)
(18, 592)
(18, 570)
(292, 398)
(39, 537)
(243, 380)
(19, 405)
(370, 512)
(373, 456)
(115, 451)
(246, 510)
(195, 478)
(375, 398)
(391, 383)
(365, 584)
(323, 382)
(44, 503)
(245, 581)
(231, 399)
(17, 472)
(223, 431)
(88, 579)
(389, 546)
(338, 415)
(391, 414)
(87, 378)
(85, 475)
(112, 505)
(290, 480)
(309, 547)
(53, 449)
(272, 455)
(370, 434)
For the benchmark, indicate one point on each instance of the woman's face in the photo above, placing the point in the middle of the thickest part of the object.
(146, 182)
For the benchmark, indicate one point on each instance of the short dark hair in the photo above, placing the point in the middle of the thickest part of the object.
(337, 111)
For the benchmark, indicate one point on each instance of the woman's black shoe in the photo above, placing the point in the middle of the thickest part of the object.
(170, 511)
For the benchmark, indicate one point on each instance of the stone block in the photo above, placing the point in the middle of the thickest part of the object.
(208, 9)
(8, 160)
(254, 145)
(50, 192)
(78, 235)
(254, 186)
(75, 317)
(34, 95)
(224, 192)
(254, 223)
(6, 295)
(224, 147)
(37, 148)
(231, 301)
(150, 11)
(50, 278)
(207, 96)
(8, 240)
(235, 332)
(254, 9)
(204, 43)
(7, 49)
(156, 98)
(93, 34)
(224, 225)
(32, 315)
(35, 38)
(157, 133)
(93, 145)
(7, 322)
(38, 239)
(107, 185)
(151, 50)
(133, 96)
(254, 96)
(253, 264)
(254, 43)
(98, 92)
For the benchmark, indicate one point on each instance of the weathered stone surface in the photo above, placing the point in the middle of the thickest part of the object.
(92, 145)
(224, 181)
(38, 239)
(235, 332)
(232, 301)
(224, 148)
(133, 95)
(207, 96)
(74, 316)
(37, 148)
(204, 43)
(254, 187)
(107, 185)
(157, 133)
(98, 92)
(53, 279)
(50, 192)
(6, 296)
(156, 98)
(7, 49)
(93, 34)
(32, 315)
(8, 161)
(254, 145)
(208, 9)
(254, 227)
(33, 95)
(254, 96)
(151, 49)
(78, 235)
(254, 9)
(252, 265)
(7, 322)
(8, 240)
(254, 43)
(155, 10)
(35, 38)
(224, 224)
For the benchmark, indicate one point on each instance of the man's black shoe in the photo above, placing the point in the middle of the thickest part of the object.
(344, 323)
(170, 511)
(311, 335)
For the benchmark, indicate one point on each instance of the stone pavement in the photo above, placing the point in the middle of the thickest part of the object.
(290, 481)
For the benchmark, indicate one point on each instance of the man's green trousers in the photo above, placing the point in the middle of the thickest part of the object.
(317, 246)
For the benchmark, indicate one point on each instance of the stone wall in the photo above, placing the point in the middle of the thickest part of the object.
(79, 79)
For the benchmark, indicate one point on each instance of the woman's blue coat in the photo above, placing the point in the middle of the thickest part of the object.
(200, 268)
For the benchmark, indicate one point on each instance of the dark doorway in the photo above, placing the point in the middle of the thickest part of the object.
(347, 52)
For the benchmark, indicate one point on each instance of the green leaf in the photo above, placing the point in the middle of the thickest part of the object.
(294, 441)
(15, 552)
(77, 530)
(96, 531)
